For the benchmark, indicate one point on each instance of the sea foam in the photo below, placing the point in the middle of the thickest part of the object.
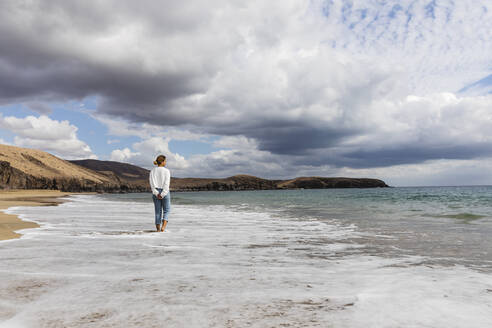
(95, 263)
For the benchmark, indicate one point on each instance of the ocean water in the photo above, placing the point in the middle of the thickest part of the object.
(393, 257)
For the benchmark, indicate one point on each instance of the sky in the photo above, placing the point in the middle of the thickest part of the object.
(396, 90)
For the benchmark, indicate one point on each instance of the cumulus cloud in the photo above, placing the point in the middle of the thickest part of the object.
(314, 84)
(241, 156)
(146, 151)
(58, 137)
(123, 155)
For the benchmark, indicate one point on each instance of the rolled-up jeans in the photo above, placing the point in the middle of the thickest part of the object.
(162, 206)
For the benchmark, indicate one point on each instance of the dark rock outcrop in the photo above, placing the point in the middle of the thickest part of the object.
(324, 183)
(237, 182)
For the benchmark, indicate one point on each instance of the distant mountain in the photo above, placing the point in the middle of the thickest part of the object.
(135, 177)
(123, 171)
(23, 168)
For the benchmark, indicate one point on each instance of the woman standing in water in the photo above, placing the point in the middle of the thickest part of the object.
(159, 179)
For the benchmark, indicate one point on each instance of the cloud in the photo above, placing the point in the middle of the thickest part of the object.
(235, 142)
(59, 137)
(123, 155)
(146, 151)
(112, 141)
(3, 142)
(239, 155)
(242, 156)
(224, 163)
(315, 84)
(433, 38)
(431, 173)
(120, 127)
(416, 129)
(39, 108)
(481, 87)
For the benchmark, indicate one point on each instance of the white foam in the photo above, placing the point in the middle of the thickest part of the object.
(94, 262)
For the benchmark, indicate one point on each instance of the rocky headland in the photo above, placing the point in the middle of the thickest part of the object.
(23, 168)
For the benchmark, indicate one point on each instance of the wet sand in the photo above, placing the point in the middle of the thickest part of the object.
(9, 198)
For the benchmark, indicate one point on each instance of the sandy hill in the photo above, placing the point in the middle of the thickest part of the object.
(24, 168)
(41, 164)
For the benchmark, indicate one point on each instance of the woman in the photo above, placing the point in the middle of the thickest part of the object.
(159, 179)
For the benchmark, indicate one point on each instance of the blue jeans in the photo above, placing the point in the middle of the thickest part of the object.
(162, 206)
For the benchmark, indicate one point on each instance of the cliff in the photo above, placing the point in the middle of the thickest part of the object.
(23, 168)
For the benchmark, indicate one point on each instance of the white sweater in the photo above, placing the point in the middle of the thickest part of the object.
(160, 177)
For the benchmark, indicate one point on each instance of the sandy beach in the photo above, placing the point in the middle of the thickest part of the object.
(9, 198)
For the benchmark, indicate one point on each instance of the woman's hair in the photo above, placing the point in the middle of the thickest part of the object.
(159, 159)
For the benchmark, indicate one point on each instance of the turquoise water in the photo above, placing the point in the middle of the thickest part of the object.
(447, 225)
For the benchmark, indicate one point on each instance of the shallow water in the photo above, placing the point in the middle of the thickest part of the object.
(447, 225)
(400, 257)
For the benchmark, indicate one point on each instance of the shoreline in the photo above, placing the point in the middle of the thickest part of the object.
(10, 223)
